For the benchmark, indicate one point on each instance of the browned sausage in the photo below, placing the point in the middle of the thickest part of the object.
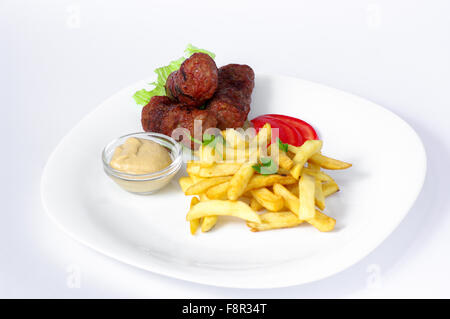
(231, 102)
(195, 81)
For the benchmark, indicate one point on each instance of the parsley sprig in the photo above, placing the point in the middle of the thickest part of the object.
(266, 166)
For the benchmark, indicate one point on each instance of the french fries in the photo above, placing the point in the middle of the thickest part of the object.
(255, 205)
(219, 191)
(240, 180)
(185, 182)
(267, 199)
(234, 183)
(319, 197)
(291, 201)
(219, 169)
(283, 160)
(208, 223)
(322, 222)
(259, 181)
(207, 156)
(203, 185)
(223, 208)
(306, 188)
(328, 162)
(275, 221)
(329, 188)
(303, 153)
(195, 222)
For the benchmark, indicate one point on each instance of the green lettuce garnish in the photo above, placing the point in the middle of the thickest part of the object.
(142, 97)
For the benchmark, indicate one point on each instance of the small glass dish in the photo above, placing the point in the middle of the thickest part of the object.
(144, 184)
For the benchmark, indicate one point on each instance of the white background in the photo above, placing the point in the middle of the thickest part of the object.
(60, 59)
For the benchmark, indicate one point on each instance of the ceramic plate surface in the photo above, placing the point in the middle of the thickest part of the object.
(151, 232)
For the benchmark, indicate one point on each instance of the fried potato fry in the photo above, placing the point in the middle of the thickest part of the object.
(234, 139)
(293, 188)
(219, 191)
(280, 157)
(221, 208)
(322, 176)
(264, 136)
(322, 222)
(185, 182)
(239, 181)
(306, 188)
(275, 221)
(329, 188)
(193, 224)
(319, 198)
(258, 181)
(283, 171)
(193, 168)
(328, 162)
(239, 155)
(291, 201)
(296, 170)
(268, 199)
(203, 185)
(219, 169)
(255, 205)
(207, 156)
(208, 223)
(303, 153)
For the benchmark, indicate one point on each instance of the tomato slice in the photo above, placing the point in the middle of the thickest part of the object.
(291, 130)
(306, 130)
(286, 133)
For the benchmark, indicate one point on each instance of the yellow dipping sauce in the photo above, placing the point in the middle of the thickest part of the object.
(140, 156)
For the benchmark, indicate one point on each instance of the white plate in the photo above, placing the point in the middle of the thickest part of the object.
(150, 232)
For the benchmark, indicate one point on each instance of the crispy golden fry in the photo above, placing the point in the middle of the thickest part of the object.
(219, 191)
(203, 185)
(306, 188)
(293, 188)
(303, 153)
(328, 162)
(195, 222)
(322, 176)
(329, 188)
(258, 181)
(264, 136)
(223, 207)
(208, 223)
(290, 200)
(275, 221)
(207, 156)
(296, 170)
(185, 182)
(219, 169)
(193, 168)
(268, 199)
(280, 157)
(239, 155)
(319, 198)
(322, 222)
(234, 139)
(255, 205)
(283, 171)
(240, 180)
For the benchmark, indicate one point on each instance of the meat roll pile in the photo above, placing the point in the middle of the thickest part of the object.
(199, 91)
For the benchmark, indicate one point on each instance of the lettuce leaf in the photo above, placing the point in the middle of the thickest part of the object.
(142, 97)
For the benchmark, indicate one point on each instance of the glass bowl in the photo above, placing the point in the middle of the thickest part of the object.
(144, 184)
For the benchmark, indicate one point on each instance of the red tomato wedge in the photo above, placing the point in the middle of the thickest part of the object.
(285, 133)
(286, 125)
